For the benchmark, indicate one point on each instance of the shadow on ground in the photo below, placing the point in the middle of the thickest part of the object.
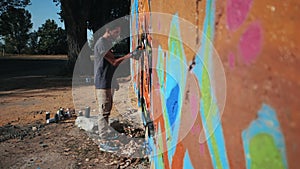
(30, 74)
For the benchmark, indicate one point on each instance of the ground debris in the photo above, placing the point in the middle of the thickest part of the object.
(9, 131)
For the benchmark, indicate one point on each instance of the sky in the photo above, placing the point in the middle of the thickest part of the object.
(41, 10)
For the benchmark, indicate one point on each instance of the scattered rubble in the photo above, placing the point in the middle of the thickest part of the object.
(133, 149)
(132, 153)
(9, 131)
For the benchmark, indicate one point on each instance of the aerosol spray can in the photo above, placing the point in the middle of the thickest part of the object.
(80, 113)
(60, 114)
(52, 120)
(68, 114)
(47, 115)
(87, 112)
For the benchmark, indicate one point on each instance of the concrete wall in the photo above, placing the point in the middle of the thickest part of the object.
(220, 80)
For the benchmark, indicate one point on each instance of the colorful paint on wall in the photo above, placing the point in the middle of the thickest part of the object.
(172, 87)
(251, 43)
(264, 142)
(187, 162)
(134, 29)
(237, 11)
(175, 81)
(208, 105)
(177, 103)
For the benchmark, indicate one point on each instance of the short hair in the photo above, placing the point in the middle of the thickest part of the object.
(116, 23)
(111, 26)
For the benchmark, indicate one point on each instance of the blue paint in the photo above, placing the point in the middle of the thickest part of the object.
(176, 68)
(204, 63)
(172, 104)
(136, 5)
(267, 123)
(155, 159)
(176, 60)
(187, 164)
(135, 17)
(134, 13)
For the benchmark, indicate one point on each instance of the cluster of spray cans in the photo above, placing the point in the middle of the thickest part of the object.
(61, 114)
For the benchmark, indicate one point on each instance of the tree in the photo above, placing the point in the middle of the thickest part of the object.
(74, 14)
(15, 24)
(6, 4)
(33, 43)
(62, 44)
(2, 48)
(52, 39)
(77, 13)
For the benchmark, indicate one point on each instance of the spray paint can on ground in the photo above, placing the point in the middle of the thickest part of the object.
(47, 115)
(68, 114)
(87, 112)
(59, 114)
(53, 120)
(80, 113)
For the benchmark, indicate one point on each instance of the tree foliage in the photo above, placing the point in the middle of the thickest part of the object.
(32, 43)
(6, 4)
(52, 39)
(15, 24)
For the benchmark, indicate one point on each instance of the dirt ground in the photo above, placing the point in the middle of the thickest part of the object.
(30, 86)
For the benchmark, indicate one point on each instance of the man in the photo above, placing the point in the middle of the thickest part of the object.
(105, 64)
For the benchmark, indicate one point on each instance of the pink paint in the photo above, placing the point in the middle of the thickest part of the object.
(237, 11)
(251, 43)
(157, 86)
(193, 130)
(194, 105)
(231, 60)
(196, 129)
(202, 149)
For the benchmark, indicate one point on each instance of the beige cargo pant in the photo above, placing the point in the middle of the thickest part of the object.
(105, 102)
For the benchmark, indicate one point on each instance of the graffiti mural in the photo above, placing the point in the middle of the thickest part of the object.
(179, 85)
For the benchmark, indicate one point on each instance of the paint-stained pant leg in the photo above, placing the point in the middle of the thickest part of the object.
(105, 101)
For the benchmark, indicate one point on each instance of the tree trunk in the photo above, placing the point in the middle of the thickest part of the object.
(75, 17)
(76, 37)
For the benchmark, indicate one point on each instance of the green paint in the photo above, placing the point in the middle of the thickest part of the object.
(167, 124)
(175, 42)
(210, 107)
(175, 48)
(160, 69)
(160, 161)
(207, 105)
(209, 34)
(160, 151)
(264, 153)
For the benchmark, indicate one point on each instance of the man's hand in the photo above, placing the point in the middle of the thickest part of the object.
(137, 53)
